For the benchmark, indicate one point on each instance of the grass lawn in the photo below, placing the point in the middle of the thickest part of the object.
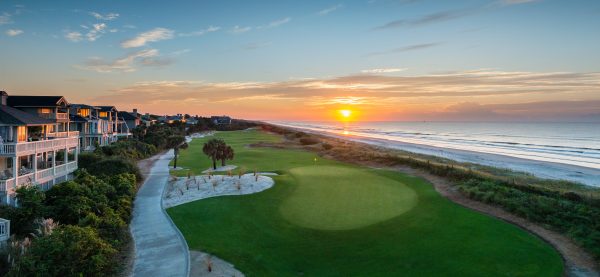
(327, 218)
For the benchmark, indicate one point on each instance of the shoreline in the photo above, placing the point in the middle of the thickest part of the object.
(541, 169)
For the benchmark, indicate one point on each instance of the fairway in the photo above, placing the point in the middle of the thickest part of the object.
(327, 218)
(340, 198)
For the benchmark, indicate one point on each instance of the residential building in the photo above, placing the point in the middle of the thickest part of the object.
(221, 120)
(36, 145)
(115, 127)
(86, 120)
(132, 120)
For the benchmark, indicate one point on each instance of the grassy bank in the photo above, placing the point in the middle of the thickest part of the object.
(328, 218)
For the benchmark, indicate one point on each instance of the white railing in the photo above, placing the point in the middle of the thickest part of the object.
(24, 148)
(6, 185)
(61, 169)
(72, 166)
(25, 179)
(43, 174)
(64, 134)
(54, 115)
(62, 115)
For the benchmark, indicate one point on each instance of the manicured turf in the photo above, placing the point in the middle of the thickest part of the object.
(392, 225)
(341, 198)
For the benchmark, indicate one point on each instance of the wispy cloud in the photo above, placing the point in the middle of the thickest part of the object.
(382, 70)
(384, 94)
(516, 2)
(256, 45)
(96, 31)
(210, 29)
(74, 36)
(427, 19)
(238, 30)
(5, 18)
(108, 16)
(13, 32)
(147, 57)
(153, 35)
(329, 10)
(276, 23)
(406, 49)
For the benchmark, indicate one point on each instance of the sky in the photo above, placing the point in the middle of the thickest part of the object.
(386, 60)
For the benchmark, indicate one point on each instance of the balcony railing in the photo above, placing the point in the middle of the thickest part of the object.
(62, 116)
(64, 134)
(25, 148)
(40, 176)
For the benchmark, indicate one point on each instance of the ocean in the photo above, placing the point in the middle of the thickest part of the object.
(573, 144)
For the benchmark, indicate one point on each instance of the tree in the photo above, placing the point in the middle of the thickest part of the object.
(226, 153)
(212, 149)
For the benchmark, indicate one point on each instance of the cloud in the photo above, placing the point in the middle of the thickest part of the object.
(5, 19)
(210, 29)
(153, 35)
(108, 16)
(238, 30)
(406, 48)
(276, 23)
(147, 57)
(477, 94)
(13, 32)
(96, 31)
(427, 19)
(256, 45)
(74, 36)
(382, 70)
(516, 2)
(329, 10)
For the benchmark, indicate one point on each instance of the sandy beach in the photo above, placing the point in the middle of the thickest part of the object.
(541, 169)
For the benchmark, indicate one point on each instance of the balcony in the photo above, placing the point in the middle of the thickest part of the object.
(39, 176)
(57, 116)
(28, 148)
(63, 134)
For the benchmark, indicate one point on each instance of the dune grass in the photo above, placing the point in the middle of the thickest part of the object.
(345, 230)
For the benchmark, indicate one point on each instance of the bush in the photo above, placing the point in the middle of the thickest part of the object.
(309, 141)
(327, 146)
(68, 251)
(109, 166)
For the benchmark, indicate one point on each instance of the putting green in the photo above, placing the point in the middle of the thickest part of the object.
(343, 198)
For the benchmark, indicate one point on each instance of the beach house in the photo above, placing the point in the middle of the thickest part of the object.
(36, 145)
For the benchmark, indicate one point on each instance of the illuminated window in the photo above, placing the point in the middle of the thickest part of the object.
(84, 112)
(45, 110)
(21, 133)
(103, 114)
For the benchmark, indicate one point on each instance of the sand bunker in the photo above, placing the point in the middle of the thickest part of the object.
(183, 190)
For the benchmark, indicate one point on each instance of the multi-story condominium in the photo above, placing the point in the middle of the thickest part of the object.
(36, 145)
(131, 120)
(115, 127)
(86, 119)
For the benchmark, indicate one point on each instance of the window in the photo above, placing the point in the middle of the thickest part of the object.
(21, 133)
(84, 112)
(45, 110)
(103, 114)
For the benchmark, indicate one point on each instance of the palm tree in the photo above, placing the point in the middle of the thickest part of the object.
(226, 153)
(212, 149)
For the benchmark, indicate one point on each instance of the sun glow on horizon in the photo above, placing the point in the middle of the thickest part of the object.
(346, 113)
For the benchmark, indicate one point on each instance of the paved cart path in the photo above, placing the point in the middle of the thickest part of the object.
(160, 249)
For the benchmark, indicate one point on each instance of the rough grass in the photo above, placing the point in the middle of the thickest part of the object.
(436, 237)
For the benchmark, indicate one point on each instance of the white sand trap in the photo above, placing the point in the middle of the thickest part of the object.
(199, 266)
(221, 169)
(185, 190)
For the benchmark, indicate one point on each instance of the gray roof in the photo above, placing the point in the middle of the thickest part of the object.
(35, 101)
(12, 116)
(84, 106)
(126, 116)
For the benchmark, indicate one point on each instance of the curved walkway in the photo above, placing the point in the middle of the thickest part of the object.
(160, 249)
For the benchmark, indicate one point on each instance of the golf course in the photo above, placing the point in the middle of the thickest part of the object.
(327, 218)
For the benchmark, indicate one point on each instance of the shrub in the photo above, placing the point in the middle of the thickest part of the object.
(68, 251)
(308, 141)
(327, 146)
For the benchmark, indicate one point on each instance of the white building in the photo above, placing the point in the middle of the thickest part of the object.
(36, 145)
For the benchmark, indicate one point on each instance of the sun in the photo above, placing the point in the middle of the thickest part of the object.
(346, 113)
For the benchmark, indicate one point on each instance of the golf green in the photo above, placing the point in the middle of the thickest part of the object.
(341, 198)
(327, 218)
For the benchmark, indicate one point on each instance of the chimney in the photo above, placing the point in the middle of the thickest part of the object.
(135, 112)
(4, 97)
